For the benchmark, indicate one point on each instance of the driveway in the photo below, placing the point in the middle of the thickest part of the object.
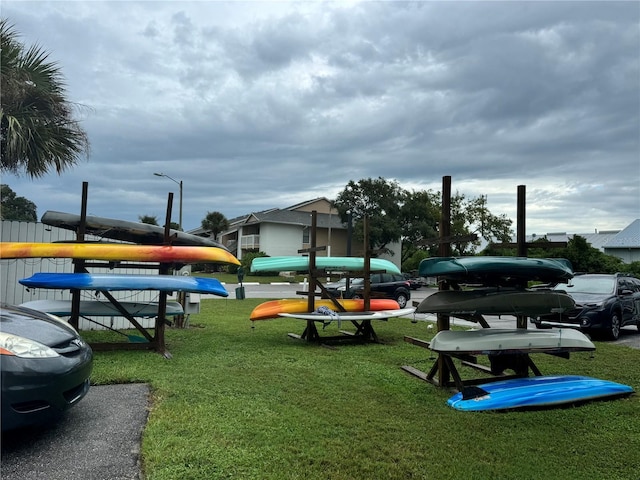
(98, 439)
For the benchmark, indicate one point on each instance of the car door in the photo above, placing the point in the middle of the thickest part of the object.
(627, 300)
(635, 284)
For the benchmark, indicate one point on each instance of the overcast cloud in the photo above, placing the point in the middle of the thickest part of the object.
(255, 105)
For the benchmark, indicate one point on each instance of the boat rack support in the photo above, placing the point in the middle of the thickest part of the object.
(444, 368)
(434, 376)
(154, 342)
(364, 330)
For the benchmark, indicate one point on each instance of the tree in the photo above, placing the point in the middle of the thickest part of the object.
(420, 215)
(13, 207)
(380, 201)
(472, 217)
(214, 223)
(395, 214)
(148, 219)
(37, 128)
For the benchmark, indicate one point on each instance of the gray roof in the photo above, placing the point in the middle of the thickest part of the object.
(324, 220)
(627, 238)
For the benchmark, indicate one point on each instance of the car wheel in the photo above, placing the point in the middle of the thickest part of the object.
(402, 300)
(614, 326)
(356, 296)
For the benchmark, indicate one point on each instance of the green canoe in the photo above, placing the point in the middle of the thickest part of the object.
(497, 269)
(301, 264)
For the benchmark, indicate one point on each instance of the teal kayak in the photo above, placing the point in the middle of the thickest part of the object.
(301, 264)
(497, 268)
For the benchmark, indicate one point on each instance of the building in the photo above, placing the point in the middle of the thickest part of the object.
(279, 232)
(624, 244)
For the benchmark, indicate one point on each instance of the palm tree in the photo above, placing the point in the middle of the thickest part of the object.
(214, 223)
(37, 129)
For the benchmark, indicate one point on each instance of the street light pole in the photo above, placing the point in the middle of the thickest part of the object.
(180, 185)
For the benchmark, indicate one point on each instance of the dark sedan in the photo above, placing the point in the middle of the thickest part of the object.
(383, 285)
(45, 367)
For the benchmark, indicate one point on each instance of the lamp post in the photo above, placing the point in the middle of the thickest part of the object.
(180, 185)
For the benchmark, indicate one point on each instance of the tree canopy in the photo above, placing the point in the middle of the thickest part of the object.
(396, 214)
(13, 207)
(148, 219)
(37, 128)
(215, 223)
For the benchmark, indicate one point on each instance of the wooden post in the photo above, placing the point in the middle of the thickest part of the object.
(367, 265)
(521, 222)
(444, 251)
(311, 305)
(521, 320)
(162, 304)
(78, 265)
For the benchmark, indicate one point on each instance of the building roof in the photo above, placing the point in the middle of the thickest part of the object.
(294, 217)
(627, 238)
(289, 215)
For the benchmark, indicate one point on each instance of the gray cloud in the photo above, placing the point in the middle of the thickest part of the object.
(259, 105)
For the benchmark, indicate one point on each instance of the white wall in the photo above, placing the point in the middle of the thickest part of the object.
(280, 239)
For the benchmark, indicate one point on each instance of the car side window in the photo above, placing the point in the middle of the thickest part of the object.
(621, 286)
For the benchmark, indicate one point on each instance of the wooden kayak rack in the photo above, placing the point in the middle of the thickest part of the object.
(364, 330)
(153, 342)
(444, 368)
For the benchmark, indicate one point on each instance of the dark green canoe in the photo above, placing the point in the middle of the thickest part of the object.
(497, 269)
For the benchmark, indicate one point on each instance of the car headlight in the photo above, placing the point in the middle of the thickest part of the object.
(24, 348)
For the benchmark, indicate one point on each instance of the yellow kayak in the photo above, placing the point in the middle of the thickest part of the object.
(118, 252)
(273, 308)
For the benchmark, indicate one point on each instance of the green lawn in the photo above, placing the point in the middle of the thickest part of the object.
(252, 403)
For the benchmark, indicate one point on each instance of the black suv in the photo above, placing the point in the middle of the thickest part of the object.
(385, 285)
(604, 303)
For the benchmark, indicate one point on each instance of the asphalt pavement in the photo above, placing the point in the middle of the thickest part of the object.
(100, 438)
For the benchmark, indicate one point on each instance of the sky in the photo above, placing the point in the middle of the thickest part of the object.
(258, 105)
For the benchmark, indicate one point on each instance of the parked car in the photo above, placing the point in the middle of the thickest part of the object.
(604, 304)
(385, 285)
(45, 367)
(414, 282)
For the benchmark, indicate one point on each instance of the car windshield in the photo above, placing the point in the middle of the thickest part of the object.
(584, 284)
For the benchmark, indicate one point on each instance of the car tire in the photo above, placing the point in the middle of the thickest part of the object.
(356, 296)
(614, 326)
(402, 299)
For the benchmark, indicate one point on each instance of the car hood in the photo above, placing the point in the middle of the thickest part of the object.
(585, 298)
(35, 325)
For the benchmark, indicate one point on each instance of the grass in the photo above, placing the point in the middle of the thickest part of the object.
(252, 403)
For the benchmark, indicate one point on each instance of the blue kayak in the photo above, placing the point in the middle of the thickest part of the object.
(113, 282)
(494, 269)
(530, 392)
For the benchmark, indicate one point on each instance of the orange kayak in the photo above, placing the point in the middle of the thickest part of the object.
(273, 308)
(118, 252)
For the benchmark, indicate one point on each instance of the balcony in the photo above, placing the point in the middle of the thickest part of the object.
(250, 242)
